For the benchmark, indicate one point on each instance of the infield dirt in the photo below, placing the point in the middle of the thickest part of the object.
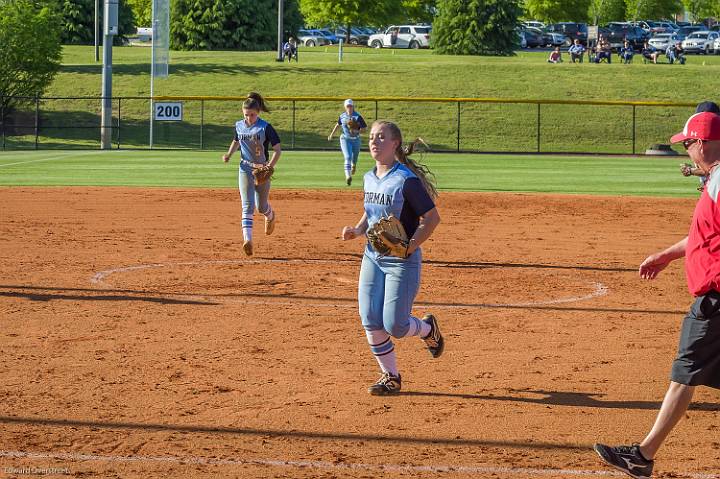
(138, 341)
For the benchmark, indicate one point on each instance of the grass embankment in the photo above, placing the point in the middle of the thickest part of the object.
(366, 72)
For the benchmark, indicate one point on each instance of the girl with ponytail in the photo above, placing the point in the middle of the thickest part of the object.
(254, 137)
(401, 187)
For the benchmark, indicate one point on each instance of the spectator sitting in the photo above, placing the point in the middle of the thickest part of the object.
(576, 51)
(649, 52)
(555, 56)
(602, 50)
(626, 52)
(290, 49)
(675, 53)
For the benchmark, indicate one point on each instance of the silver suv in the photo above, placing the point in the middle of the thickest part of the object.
(402, 36)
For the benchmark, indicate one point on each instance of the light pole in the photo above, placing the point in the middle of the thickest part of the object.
(110, 30)
(281, 8)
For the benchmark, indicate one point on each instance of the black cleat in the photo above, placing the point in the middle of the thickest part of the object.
(348, 180)
(434, 341)
(627, 459)
(386, 385)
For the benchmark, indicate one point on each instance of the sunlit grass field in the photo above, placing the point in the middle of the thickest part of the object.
(602, 175)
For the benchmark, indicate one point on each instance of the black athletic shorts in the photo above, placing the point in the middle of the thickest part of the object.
(698, 359)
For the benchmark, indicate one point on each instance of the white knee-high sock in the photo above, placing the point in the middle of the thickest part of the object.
(247, 226)
(418, 328)
(383, 349)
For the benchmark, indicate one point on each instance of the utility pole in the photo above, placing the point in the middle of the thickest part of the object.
(281, 14)
(97, 30)
(110, 30)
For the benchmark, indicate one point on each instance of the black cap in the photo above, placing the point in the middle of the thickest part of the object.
(710, 106)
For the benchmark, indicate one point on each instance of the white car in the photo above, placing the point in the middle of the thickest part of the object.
(402, 36)
(700, 42)
(312, 38)
(534, 24)
(716, 46)
(663, 40)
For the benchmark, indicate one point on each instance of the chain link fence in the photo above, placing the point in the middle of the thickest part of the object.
(447, 124)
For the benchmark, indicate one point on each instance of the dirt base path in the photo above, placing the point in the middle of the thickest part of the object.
(138, 341)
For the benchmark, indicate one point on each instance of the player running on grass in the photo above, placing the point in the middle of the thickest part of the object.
(388, 284)
(352, 124)
(253, 135)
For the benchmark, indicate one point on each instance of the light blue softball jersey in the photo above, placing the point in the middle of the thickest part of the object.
(254, 141)
(343, 120)
(399, 193)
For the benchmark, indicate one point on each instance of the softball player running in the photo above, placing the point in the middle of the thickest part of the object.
(253, 136)
(352, 124)
(387, 286)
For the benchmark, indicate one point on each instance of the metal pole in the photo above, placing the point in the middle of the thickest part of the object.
(340, 52)
(118, 123)
(293, 126)
(538, 128)
(111, 28)
(152, 77)
(2, 120)
(376, 110)
(37, 120)
(458, 127)
(202, 124)
(97, 31)
(281, 13)
(633, 133)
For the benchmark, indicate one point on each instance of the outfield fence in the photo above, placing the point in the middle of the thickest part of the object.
(488, 125)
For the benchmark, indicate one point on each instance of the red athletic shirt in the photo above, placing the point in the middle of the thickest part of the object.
(702, 253)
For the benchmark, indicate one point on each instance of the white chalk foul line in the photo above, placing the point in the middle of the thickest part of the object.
(99, 278)
(470, 470)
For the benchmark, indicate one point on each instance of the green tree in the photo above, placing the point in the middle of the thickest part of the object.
(142, 12)
(603, 11)
(476, 27)
(30, 48)
(711, 8)
(552, 11)
(641, 9)
(78, 21)
(695, 8)
(229, 24)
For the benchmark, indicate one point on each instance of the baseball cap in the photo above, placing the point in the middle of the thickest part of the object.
(348, 102)
(700, 126)
(710, 106)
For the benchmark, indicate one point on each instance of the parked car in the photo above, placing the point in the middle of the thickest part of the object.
(700, 42)
(534, 38)
(571, 30)
(311, 38)
(687, 30)
(357, 37)
(521, 40)
(663, 40)
(332, 38)
(618, 32)
(552, 39)
(716, 46)
(402, 36)
(534, 24)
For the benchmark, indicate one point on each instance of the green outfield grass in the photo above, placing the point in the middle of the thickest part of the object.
(369, 72)
(490, 173)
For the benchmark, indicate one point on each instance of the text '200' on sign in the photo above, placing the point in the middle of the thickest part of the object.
(168, 111)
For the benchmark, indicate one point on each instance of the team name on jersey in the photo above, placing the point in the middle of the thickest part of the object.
(248, 137)
(378, 198)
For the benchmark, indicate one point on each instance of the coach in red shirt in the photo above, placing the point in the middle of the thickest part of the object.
(698, 359)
